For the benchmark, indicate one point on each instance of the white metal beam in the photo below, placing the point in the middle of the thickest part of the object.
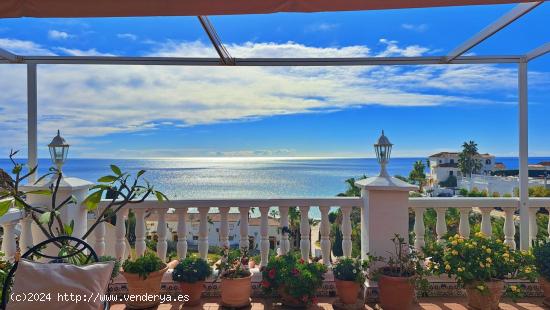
(32, 120)
(537, 52)
(7, 55)
(517, 12)
(216, 41)
(185, 61)
(523, 158)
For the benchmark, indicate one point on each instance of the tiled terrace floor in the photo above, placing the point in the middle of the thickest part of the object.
(439, 303)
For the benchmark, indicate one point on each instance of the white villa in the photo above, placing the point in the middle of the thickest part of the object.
(233, 221)
(445, 164)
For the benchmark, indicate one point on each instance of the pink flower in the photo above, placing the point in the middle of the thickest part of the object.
(266, 284)
(314, 300)
(295, 272)
(305, 298)
(271, 273)
(301, 261)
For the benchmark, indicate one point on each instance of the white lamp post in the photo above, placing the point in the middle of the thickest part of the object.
(59, 149)
(383, 151)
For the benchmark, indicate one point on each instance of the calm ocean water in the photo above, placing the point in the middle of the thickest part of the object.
(190, 178)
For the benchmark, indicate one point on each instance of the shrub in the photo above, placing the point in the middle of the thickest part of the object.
(350, 269)
(233, 264)
(496, 194)
(5, 267)
(299, 278)
(144, 265)
(478, 260)
(463, 192)
(191, 269)
(450, 182)
(541, 251)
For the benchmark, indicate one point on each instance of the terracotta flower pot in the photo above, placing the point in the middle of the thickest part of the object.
(290, 301)
(545, 286)
(236, 292)
(139, 287)
(396, 293)
(485, 300)
(194, 290)
(347, 291)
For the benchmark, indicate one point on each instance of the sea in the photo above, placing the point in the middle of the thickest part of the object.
(244, 177)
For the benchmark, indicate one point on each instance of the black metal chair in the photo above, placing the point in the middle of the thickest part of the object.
(78, 247)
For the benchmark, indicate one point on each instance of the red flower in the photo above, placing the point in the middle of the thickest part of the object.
(314, 300)
(305, 298)
(295, 272)
(271, 273)
(266, 284)
(301, 261)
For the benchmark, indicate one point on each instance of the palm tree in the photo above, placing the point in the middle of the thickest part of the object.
(468, 162)
(418, 174)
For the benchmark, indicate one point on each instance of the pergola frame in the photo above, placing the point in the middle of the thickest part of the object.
(456, 56)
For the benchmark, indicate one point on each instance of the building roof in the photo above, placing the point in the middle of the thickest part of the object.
(455, 154)
(544, 163)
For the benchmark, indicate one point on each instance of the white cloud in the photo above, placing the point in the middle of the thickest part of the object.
(127, 36)
(321, 27)
(23, 47)
(91, 101)
(415, 27)
(77, 52)
(58, 35)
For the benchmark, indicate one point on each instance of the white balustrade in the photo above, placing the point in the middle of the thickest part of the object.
(264, 233)
(464, 224)
(162, 245)
(419, 229)
(325, 235)
(203, 233)
(9, 246)
(509, 228)
(140, 232)
(181, 246)
(120, 232)
(224, 227)
(305, 245)
(486, 227)
(244, 241)
(346, 231)
(285, 243)
(441, 224)
(533, 228)
(26, 240)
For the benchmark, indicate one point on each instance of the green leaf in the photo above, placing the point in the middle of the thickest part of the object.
(5, 206)
(40, 192)
(107, 179)
(93, 200)
(116, 170)
(17, 168)
(69, 228)
(45, 217)
(159, 196)
(140, 173)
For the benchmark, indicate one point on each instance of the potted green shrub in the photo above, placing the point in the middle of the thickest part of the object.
(541, 251)
(191, 273)
(349, 275)
(481, 264)
(235, 275)
(144, 276)
(294, 279)
(401, 274)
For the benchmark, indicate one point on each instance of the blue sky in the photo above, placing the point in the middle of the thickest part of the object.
(118, 111)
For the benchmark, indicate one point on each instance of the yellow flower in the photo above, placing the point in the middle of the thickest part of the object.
(480, 287)
(461, 240)
(481, 265)
(448, 267)
(460, 269)
(454, 252)
(454, 242)
(527, 270)
(499, 241)
(474, 243)
(513, 288)
(483, 247)
(489, 260)
(488, 251)
(505, 255)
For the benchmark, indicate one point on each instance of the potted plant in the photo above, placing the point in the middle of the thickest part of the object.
(191, 273)
(402, 274)
(294, 279)
(144, 276)
(349, 275)
(481, 264)
(235, 275)
(541, 251)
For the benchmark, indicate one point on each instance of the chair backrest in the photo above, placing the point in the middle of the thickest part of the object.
(78, 248)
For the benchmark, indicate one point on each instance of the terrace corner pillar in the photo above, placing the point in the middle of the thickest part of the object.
(68, 186)
(385, 212)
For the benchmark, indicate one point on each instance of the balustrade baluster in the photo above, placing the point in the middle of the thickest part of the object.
(224, 228)
(346, 231)
(26, 241)
(244, 238)
(203, 233)
(464, 225)
(182, 232)
(120, 232)
(162, 245)
(325, 235)
(284, 244)
(419, 229)
(533, 227)
(509, 228)
(9, 246)
(140, 232)
(264, 244)
(305, 230)
(486, 227)
(441, 224)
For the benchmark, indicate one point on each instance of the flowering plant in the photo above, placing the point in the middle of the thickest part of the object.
(479, 260)
(233, 266)
(191, 269)
(350, 269)
(298, 278)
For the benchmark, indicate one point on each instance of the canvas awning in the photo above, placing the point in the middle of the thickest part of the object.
(124, 8)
